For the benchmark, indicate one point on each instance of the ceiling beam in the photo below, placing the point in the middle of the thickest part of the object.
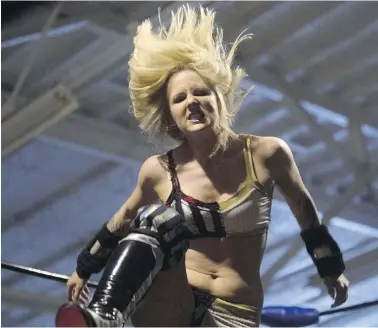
(326, 10)
(81, 75)
(61, 72)
(298, 91)
(358, 144)
(343, 77)
(254, 112)
(276, 26)
(36, 117)
(362, 88)
(324, 34)
(332, 66)
(75, 78)
(105, 140)
(65, 189)
(30, 22)
(292, 96)
(10, 105)
(292, 102)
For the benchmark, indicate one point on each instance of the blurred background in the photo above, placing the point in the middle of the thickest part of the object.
(71, 150)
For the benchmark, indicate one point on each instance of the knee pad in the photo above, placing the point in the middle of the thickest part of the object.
(165, 225)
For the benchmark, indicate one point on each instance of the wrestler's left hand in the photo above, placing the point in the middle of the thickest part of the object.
(77, 289)
(337, 287)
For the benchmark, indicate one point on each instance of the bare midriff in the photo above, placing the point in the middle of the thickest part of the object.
(228, 268)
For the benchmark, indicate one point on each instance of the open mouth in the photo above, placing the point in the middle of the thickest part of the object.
(197, 116)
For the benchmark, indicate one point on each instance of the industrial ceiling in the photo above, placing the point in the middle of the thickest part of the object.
(71, 150)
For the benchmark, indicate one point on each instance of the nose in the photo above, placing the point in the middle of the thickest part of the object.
(192, 101)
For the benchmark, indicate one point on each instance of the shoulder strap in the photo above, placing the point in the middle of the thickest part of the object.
(172, 171)
(251, 167)
(250, 164)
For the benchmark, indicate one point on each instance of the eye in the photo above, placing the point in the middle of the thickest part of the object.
(179, 98)
(202, 92)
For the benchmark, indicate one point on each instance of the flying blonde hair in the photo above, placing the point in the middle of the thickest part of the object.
(192, 41)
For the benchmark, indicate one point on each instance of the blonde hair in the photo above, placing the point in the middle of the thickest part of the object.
(192, 41)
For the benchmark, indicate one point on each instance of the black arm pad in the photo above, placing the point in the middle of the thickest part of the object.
(88, 263)
(108, 239)
(319, 237)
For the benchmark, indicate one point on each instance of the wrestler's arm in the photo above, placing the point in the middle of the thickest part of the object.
(95, 254)
(286, 176)
(143, 194)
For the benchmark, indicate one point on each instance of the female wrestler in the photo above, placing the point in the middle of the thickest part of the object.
(216, 187)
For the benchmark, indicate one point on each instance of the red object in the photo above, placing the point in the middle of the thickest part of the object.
(71, 315)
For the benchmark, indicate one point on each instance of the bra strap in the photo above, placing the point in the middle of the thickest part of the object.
(251, 168)
(172, 171)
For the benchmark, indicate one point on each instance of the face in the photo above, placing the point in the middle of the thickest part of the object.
(193, 105)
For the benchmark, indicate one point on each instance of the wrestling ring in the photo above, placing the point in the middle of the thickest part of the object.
(273, 316)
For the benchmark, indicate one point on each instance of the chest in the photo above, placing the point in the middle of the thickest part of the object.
(243, 213)
(214, 183)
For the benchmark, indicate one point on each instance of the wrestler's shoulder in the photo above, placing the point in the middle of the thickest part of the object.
(268, 146)
(153, 168)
